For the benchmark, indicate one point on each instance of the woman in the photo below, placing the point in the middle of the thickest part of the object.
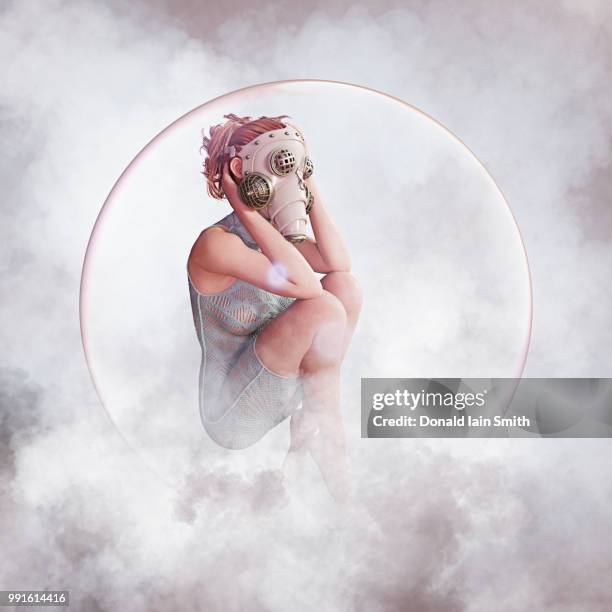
(273, 333)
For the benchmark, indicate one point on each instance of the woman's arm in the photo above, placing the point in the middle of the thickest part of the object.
(329, 252)
(224, 253)
(280, 268)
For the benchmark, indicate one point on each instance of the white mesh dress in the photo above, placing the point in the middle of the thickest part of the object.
(240, 399)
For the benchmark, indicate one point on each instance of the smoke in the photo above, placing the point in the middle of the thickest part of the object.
(439, 525)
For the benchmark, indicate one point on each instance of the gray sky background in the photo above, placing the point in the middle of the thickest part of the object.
(480, 525)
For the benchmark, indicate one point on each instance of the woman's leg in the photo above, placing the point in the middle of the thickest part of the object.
(322, 393)
(343, 286)
(283, 344)
(311, 338)
(346, 288)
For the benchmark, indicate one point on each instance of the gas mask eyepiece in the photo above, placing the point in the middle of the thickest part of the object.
(308, 167)
(282, 162)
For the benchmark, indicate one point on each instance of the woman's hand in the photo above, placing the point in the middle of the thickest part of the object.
(331, 251)
(232, 191)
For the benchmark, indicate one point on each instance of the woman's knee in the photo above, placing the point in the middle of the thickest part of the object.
(345, 287)
(318, 322)
(325, 310)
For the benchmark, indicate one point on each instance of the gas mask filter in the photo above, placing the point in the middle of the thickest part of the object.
(275, 166)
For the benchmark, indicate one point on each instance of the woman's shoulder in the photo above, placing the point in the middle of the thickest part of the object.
(212, 237)
(212, 246)
(232, 228)
(223, 226)
(208, 231)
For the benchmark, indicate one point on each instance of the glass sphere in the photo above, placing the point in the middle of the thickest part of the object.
(433, 244)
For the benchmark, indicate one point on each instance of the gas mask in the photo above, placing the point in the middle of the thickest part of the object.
(275, 166)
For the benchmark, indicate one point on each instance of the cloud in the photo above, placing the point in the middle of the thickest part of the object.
(440, 525)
